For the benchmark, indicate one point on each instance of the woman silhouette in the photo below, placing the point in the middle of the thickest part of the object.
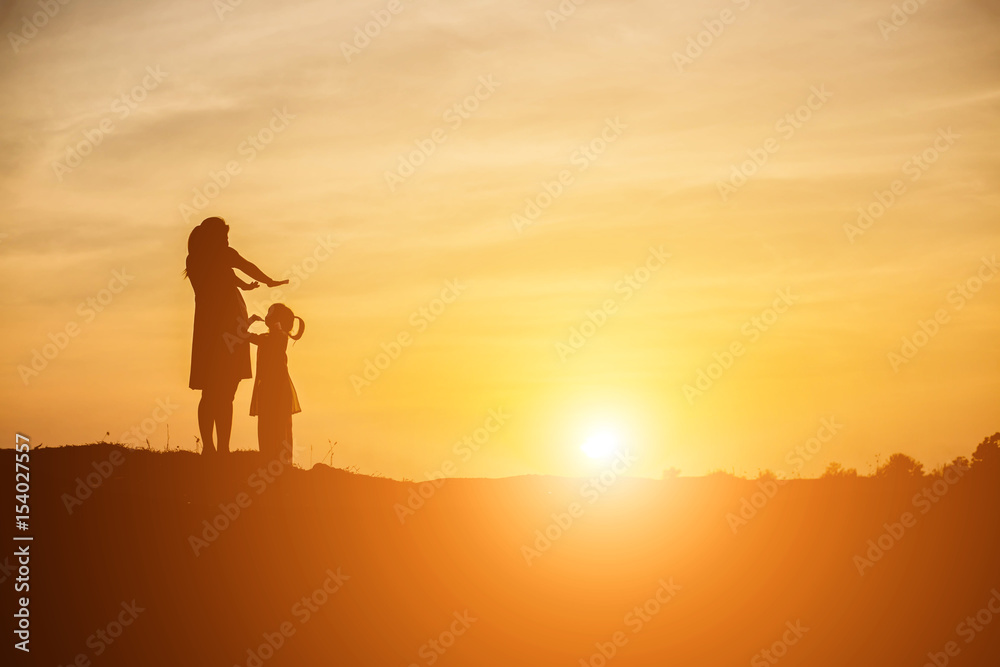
(220, 353)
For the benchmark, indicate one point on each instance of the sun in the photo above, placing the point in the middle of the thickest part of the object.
(601, 445)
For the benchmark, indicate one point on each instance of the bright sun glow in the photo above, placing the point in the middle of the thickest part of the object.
(601, 445)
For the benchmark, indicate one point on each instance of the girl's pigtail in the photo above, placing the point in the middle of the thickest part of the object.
(302, 329)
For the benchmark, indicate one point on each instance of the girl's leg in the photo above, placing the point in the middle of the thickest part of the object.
(286, 438)
(266, 435)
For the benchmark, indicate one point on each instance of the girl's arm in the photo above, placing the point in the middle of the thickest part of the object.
(253, 337)
(249, 268)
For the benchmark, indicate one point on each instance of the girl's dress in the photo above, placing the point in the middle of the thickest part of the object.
(273, 392)
(274, 399)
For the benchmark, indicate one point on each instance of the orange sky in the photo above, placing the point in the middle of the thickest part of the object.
(570, 157)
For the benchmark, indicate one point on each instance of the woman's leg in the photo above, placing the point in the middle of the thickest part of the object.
(224, 414)
(224, 424)
(206, 421)
(262, 441)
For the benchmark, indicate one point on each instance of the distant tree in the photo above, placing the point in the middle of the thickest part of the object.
(961, 462)
(900, 466)
(720, 474)
(987, 454)
(836, 471)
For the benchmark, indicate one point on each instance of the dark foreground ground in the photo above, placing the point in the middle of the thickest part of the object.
(318, 568)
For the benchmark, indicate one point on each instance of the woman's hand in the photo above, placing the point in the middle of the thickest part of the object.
(253, 285)
(276, 283)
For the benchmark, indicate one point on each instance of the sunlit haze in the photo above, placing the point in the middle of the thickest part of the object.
(522, 241)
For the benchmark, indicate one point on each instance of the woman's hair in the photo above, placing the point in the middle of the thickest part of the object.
(286, 319)
(203, 241)
(196, 247)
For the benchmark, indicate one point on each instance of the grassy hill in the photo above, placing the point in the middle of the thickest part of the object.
(151, 558)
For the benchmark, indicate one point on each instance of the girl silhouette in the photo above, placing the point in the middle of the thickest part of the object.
(274, 399)
(220, 354)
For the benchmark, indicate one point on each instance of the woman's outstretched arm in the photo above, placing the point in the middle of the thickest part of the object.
(249, 268)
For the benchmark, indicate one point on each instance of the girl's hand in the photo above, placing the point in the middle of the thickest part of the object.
(276, 283)
(254, 318)
(253, 285)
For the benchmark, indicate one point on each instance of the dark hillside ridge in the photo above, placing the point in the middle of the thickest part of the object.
(326, 567)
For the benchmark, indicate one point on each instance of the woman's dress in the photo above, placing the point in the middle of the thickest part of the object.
(220, 350)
